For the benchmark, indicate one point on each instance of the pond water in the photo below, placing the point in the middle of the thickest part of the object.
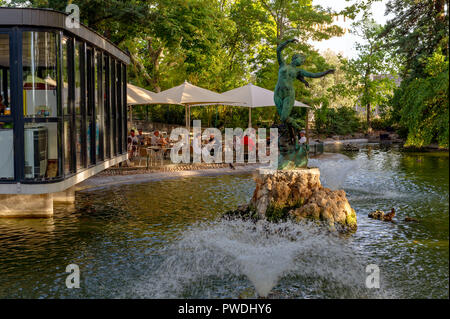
(165, 239)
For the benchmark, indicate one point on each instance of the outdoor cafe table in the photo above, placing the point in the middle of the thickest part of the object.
(157, 148)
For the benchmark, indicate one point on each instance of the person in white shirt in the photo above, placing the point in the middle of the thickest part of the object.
(132, 142)
(302, 138)
(156, 139)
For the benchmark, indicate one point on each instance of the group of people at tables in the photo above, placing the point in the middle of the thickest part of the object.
(159, 142)
(248, 143)
(140, 140)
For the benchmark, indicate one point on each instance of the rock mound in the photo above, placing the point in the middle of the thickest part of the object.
(298, 195)
(329, 206)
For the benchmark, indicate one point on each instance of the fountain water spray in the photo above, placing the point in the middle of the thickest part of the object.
(334, 170)
(226, 255)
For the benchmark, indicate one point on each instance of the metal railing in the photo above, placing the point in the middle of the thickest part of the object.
(316, 148)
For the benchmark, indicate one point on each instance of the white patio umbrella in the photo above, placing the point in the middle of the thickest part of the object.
(188, 94)
(139, 96)
(253, 96)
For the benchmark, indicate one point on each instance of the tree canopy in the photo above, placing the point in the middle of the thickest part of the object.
(223, 44)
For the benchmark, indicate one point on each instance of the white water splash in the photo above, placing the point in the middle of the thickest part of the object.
(334, 170)
(216, 259)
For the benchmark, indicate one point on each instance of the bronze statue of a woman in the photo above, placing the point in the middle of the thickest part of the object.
(292, 155)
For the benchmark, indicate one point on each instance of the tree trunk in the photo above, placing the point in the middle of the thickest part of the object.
(366, 96)
(307, 126)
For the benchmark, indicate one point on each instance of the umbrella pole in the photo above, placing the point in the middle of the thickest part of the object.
(185, 116)
(215, 122)
(307, 125)
(131, 115)
(249, 117)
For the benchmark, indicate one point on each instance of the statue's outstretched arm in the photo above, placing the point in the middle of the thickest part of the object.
(304, 81)
(313, 75)
(280, 49)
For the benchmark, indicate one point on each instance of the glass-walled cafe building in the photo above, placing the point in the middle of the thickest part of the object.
(62, 103)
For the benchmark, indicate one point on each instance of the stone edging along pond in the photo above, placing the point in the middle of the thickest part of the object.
(113, 177)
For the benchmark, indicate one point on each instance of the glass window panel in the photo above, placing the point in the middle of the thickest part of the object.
(41, 151)
(7, 151)
(68, 165)
(5, 96)
(119, 109)
(124, 107)
(79, 142)
(89, 82)
(98, 105)
(89, 143)
(90, 100)
(106, 105)
(113, 107)
(77, 68)
(65, 75)
(39, 54)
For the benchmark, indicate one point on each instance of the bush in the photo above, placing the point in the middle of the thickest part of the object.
(424, 110)
(341, 121)
(381, 124)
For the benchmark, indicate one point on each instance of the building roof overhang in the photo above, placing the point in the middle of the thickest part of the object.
(35, 17)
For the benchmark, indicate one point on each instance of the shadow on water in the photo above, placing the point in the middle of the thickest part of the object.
(165, 239)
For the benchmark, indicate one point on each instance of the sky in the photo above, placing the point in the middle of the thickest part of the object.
(346, 43)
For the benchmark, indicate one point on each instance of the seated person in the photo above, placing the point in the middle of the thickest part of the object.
(132, 142)
(157, 140)
(141, 137)
(302, 139)
(215, 143)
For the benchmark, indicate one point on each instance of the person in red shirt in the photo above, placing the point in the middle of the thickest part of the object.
(246, 140)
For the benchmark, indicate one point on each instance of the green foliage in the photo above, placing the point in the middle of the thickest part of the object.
(332, 90)
(419, 35)
(276, 214)
(373, 73)
(423, 105)
(381, 124)
(115, 19)
(340, 121)
(223, 44)
(415, 32)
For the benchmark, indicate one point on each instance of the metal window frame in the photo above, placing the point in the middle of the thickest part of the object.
(107, 106)
(114, 109)
(99, 105)
(70, 117)
(59, 117)
(119, 106)
(11, 32)
(114, 105)
(124, 108)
